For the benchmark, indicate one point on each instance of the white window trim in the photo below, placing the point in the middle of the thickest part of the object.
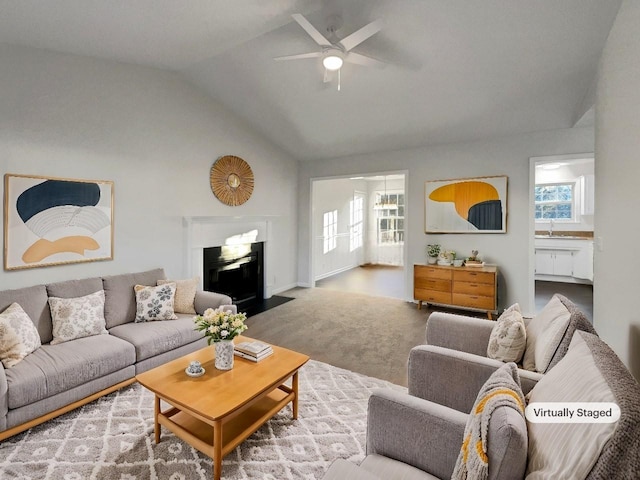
(329, 231)
(574, 205)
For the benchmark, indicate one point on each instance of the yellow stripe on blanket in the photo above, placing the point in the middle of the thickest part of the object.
(502, 391)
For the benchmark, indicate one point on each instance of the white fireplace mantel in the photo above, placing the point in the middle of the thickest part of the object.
(213, 231)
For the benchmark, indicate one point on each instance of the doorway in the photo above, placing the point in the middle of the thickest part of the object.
(358, 233)
(562, 215)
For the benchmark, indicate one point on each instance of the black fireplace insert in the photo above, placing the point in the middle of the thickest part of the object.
(237, 271)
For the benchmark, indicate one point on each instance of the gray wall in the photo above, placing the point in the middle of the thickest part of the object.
(505, 156)
(156, 136)
(617, 230)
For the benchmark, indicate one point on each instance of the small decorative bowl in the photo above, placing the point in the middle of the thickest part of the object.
(458, 262)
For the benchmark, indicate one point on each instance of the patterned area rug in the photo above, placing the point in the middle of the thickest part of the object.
(112, 437)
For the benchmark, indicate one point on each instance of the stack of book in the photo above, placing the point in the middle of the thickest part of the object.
(254, 351)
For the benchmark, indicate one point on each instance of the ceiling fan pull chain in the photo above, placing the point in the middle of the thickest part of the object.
(339, 79)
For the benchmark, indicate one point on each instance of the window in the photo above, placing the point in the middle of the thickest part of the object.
(356, 213)
(555, 201)
(330, 230)
(390, 216)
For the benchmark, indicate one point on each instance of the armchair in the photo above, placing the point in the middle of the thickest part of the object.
(413, 438)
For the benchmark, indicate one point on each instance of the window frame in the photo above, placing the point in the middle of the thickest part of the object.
(397, 233)
(573, 202)
(356, 221)
(329, 231)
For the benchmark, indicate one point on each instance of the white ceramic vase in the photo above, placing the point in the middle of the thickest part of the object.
(432, 260)
(224, 354)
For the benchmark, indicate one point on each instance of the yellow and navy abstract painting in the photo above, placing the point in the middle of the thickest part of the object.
(52, 221)
(470, 205)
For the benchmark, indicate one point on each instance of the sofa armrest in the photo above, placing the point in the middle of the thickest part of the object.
(459, 332)
(206, 300)
(4, 393)
(423, 434)
(454, 378)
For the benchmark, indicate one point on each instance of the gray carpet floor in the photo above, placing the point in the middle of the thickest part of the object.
(366, 334)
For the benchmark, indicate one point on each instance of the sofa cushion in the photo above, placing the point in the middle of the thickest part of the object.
(120, 300)
(154, 338)
(389, 469)
(33, 301)
(544, 334)
(77, 317)
(18, 335)
(155, 303)
(75, 288)
(495, 437)
(185, 294)
(52, 369)
(559, 450)
(508, 338)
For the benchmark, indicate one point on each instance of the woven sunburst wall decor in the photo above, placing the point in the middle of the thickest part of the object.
(231, 180)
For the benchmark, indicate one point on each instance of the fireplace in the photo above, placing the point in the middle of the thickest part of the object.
(235, 270)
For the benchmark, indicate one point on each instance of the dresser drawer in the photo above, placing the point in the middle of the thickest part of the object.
(474, 277)
(422, 271)
(484, 289)
(432, 296)
(473, 301)
(433, 284)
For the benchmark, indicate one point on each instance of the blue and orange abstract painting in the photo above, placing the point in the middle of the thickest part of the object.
(472, 205)
(52, 221)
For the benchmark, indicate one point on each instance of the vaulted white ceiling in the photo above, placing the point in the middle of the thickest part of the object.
(457, 69)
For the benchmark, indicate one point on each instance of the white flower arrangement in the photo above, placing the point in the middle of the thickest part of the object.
(220, 325)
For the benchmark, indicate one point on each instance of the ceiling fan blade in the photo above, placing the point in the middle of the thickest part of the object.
(359, 36)
(299, 56)
(359, 59)
(311, 30)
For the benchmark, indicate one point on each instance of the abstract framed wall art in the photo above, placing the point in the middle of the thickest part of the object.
(54, 221)
(466, 205)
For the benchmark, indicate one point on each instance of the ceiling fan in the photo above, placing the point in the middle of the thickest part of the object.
(336, 51)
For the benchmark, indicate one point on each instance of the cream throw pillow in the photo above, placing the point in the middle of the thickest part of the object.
(155, 303)
(185, 294)
(509, 337)
(568, 450)
(77, 317)
(544, 333)
(18, 335)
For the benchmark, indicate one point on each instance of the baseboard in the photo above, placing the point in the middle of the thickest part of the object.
(278, 290)
(335, 272)
(303, 285)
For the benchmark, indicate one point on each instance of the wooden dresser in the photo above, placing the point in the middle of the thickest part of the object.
(470, 288)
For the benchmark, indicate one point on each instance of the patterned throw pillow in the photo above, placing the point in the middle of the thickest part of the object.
(155, 303)
(185, 294)
(18, 335)
(509, 337)
(77, 317)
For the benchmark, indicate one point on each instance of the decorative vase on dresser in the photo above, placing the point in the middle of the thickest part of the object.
(468, 288)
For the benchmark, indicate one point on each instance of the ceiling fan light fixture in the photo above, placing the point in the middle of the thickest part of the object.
(332, 62)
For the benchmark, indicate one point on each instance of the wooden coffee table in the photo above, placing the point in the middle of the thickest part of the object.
(216, 412)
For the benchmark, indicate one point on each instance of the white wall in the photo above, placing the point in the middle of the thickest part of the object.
(329, 195)
(617, 229)
(156, 136)
(505, 156)
(571, 172)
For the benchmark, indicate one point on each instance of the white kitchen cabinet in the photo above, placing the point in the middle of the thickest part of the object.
(564, 259)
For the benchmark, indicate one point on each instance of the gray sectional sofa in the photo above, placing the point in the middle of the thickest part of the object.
(57, 378)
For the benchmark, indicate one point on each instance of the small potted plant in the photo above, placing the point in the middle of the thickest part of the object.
(433, 250)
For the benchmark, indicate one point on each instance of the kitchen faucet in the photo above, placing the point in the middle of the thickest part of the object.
(551, 227)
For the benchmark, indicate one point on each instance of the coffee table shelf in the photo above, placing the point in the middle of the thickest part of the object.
(200, 434)
(214, 413)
